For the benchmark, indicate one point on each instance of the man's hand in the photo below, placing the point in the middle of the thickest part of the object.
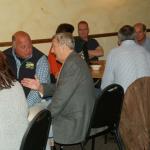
(33, 84)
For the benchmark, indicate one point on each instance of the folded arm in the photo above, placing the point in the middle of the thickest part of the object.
(97, 52)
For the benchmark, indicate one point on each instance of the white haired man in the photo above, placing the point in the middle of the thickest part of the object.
(74, 97)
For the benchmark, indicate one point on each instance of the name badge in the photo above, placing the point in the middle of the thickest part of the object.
(29, 65)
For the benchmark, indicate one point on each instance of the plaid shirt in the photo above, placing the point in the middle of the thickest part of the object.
(42, 73)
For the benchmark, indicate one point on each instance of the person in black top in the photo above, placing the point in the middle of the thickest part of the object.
(83, 43)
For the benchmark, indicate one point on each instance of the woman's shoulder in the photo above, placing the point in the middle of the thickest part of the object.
(15, 94)
(17, 87)
(17, 84)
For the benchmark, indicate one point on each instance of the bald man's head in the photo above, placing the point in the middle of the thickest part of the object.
(22, 44)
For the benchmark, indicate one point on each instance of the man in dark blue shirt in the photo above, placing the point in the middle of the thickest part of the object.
(94, 50)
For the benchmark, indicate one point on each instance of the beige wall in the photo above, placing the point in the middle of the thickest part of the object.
(40, 17)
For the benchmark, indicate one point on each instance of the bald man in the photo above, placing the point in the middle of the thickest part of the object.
(141, 37)
(27, 62)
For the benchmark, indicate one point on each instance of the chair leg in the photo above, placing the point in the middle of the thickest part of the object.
(53, 147)
(118, 139)
(82, 146)
(61, 147)
(105, 139)
(93, 144)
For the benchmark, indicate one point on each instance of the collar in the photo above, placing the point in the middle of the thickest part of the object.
(128, 42)
(17, 58)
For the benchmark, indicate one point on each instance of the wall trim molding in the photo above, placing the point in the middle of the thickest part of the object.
(40, 41)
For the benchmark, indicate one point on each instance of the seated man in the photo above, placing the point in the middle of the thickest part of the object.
(27, 62)
(127, 62)
(83, 43)
(141, 38)
(74, 97)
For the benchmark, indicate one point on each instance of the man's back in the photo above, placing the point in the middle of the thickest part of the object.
(125, 64)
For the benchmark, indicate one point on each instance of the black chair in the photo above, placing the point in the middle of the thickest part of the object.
(106, 114)
(36, 135)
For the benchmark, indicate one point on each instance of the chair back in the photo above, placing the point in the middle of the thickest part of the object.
(36, 135)
(108, 107)
(135, 117)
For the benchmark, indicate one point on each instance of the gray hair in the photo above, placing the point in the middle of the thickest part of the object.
(65, 39)
(126, 32)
